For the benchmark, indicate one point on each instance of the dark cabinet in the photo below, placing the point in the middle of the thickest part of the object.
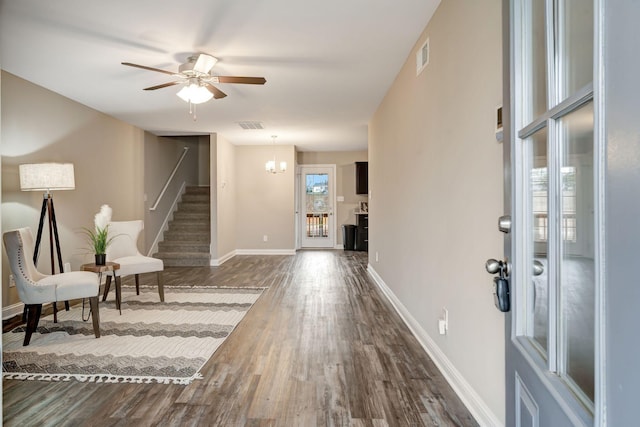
(362, 177)
(362, 232)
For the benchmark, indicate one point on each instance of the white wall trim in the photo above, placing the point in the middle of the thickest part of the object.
(341, 247)
(159, 237)
(224, 258)
(265, 251)
(12, 310)
(471, 399)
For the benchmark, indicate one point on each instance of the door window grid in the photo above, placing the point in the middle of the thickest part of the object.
(539, 183)
(562, 78)
(317, 204)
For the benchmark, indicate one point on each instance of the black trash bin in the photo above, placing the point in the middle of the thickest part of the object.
(349, 237)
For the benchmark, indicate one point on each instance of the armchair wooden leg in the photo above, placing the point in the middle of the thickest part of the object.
(137, 284)
(33, 317)
(160, 286)
(95, 315)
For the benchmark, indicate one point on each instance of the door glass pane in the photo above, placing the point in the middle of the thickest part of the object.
(577, 287)
(575, 44)
(539, 219)
(537, 61)
(317, 205)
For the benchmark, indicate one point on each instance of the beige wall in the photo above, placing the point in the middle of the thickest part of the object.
(435, 173)
(226, 199)
(41, 126)
(265, 202)
(345, 181)
(204, 160)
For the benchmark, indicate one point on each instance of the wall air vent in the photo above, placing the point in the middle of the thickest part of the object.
(250, 125)
(422, 57)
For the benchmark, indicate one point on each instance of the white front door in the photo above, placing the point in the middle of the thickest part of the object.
(317, 201)
(551, 158)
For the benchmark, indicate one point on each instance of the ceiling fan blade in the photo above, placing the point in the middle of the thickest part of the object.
(161, 86)
(217, 93)
(144, 67)
(243, 80)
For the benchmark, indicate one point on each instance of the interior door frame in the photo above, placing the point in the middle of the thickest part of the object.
(300, 211)
(567, 404)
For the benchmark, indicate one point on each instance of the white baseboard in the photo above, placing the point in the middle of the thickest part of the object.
(265, 251)
(471, 399)
(224, 258)
(341, 247)
(12, 310)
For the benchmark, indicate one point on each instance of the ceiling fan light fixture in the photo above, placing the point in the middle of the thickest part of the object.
(194, 93)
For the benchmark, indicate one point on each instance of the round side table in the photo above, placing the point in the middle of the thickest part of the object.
(108, 267)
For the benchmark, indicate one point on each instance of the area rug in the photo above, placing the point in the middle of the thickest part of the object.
(151, 342)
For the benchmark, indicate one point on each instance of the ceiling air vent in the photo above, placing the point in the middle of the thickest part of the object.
(422, 57)
(249, 125)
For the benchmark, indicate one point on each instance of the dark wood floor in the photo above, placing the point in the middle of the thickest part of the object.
(321, 347)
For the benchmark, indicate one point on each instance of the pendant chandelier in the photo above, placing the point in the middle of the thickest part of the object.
(270, 166)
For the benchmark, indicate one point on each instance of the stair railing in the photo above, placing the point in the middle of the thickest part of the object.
(166, 185)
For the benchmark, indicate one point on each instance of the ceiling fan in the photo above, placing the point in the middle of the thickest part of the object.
(195, 75)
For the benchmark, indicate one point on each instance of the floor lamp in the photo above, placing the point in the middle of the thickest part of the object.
(48, 177)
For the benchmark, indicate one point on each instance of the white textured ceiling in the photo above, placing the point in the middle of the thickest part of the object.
(327, 63)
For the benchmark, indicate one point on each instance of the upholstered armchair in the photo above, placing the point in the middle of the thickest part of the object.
(35, 288)
(124, 251)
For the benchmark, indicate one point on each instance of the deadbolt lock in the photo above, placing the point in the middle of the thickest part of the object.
(504, 223)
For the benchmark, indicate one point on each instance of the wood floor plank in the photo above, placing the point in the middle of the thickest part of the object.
(321, 347)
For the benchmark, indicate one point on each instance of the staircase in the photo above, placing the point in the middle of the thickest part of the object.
(186, 242)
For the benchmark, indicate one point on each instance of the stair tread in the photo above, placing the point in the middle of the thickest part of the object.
(180, 255)
(187, 240)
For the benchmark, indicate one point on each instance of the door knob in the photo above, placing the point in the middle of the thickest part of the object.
(495, 266)
(538, 268)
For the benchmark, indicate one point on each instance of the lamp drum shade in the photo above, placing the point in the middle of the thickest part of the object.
(47, 176)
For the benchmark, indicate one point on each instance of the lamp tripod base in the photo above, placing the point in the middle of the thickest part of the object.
(49, 210)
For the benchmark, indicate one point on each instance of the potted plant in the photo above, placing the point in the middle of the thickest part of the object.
(99, 237)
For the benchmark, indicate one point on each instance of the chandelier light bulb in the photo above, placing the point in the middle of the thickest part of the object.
(270, 166)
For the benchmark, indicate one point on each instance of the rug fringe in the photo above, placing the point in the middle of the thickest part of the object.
(101, 378)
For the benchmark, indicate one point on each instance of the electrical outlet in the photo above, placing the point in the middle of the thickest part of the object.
(265, 238)
(12, 281)
(445, 313)
(443, 322)
(377, 256)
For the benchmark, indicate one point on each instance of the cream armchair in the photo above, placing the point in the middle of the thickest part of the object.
(124, 250)
(35, 288)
